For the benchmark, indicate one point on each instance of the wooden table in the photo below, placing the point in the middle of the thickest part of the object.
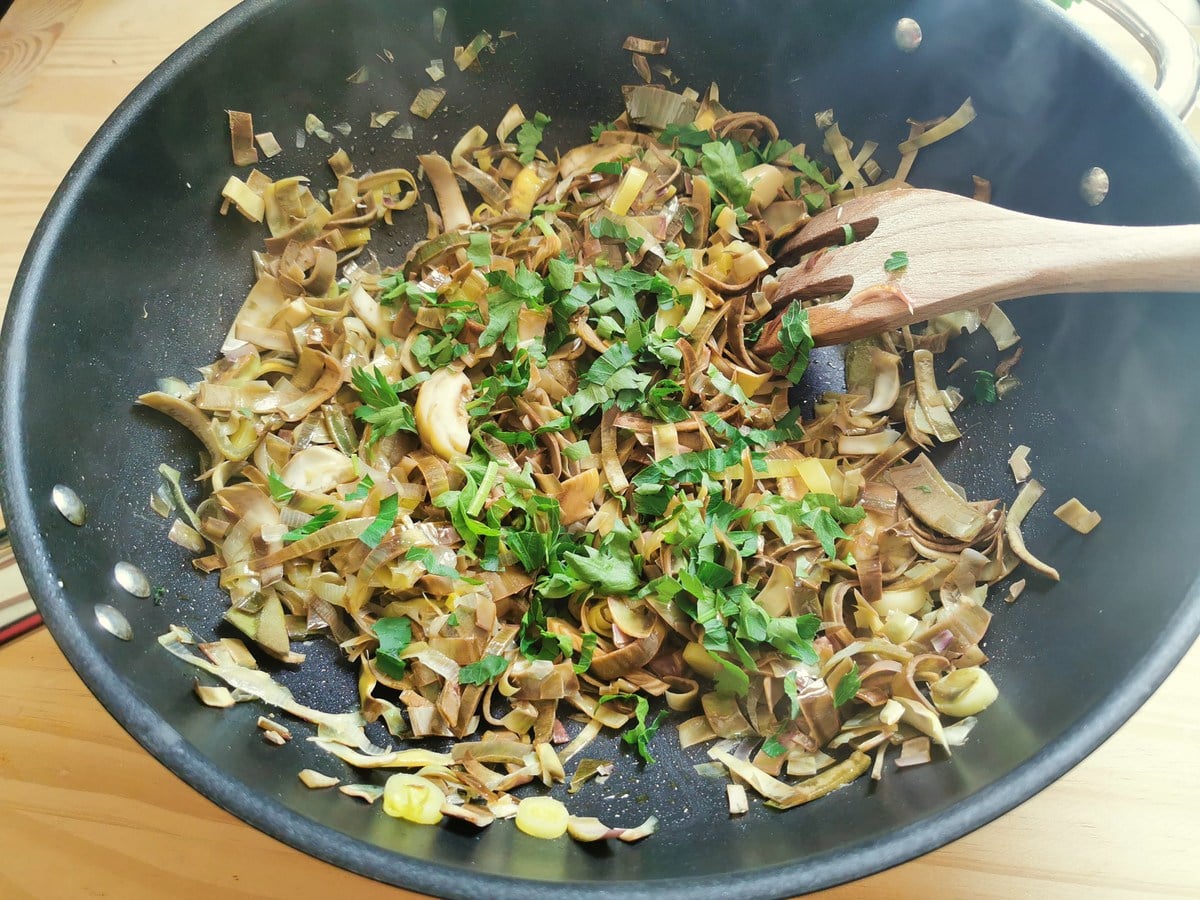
(84, 811)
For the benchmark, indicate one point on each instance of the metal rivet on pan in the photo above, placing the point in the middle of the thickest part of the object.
(1094, 186)
(132, 579)
(113, 621)
(67, 502)
(908, 35)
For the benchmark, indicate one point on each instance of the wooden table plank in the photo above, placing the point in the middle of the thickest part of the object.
(85, 812)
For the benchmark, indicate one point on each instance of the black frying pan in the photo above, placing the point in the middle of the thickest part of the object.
(132, 275)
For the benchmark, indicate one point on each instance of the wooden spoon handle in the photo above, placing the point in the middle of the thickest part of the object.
(963, 254)
(1029, 257)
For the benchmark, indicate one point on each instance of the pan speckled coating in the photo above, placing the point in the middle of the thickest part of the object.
(132, 275)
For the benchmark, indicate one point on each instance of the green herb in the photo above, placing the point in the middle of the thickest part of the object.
(393, 287)
(374, 533)
(820, 513)
(561, 274)
(382, 406)
(511, 379)
(924, 489)
(847, 687)
(641, 733)
(280, 492)
(159, 593)
(726, 386)
(585, 653)
(608, 168)
(661, 402)
(529, 135)
(684, 135)
(815, 202)
(689, 220)
(510, 294)
(484, 671)
(600, 127)
(793, 694)
(608, 228)
(324, 516)
(607, 572)
(612, 378)
(809, 170)
(797, 340)
(452, 620)
(577, 451)
(425, 557)
(395, 634)
(364, 488)
(479, 250)
(772, 748)
(897, 262)
(847, 234)
(984, 388)
(720, 163)
(433, 354)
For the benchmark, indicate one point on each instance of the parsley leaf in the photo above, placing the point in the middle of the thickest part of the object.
(323, 517)
(809, 170)
(608, 168)
(395, 286)
(479, 250)
(612, 378)
(585, 653)
(280, 492)
(395, 634)
(483, 671)
(388, 507)
(425, 557)
(847, 687)
(510, 293)
(608, 573)
(792, 691)
(600, 127)
(641, 733)
(685, 135)
(897, 262)
(720, 163)
(561, 274)
(529, 135)
(772, 748)
(984, 389)
(364, 488)
(726, 386)
(382, 406)
(609, 228)
(796, 338)
(820, 513)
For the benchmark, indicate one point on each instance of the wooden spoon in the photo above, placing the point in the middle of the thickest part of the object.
(962, 254)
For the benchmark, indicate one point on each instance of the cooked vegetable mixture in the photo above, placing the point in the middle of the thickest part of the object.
(545, 479)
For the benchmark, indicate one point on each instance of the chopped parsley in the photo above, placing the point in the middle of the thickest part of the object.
(280, 492)
(323, 517)
(984, 388)
(374, 533)
(642, 731)
(797, 340)
(382, 407)
(484, 671)
(529, 135)
(897, 262)
(395, 634)
(847, 687)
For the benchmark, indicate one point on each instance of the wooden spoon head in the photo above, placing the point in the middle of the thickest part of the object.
(920, 224)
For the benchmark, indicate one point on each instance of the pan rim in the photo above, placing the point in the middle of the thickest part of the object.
(273, 818)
